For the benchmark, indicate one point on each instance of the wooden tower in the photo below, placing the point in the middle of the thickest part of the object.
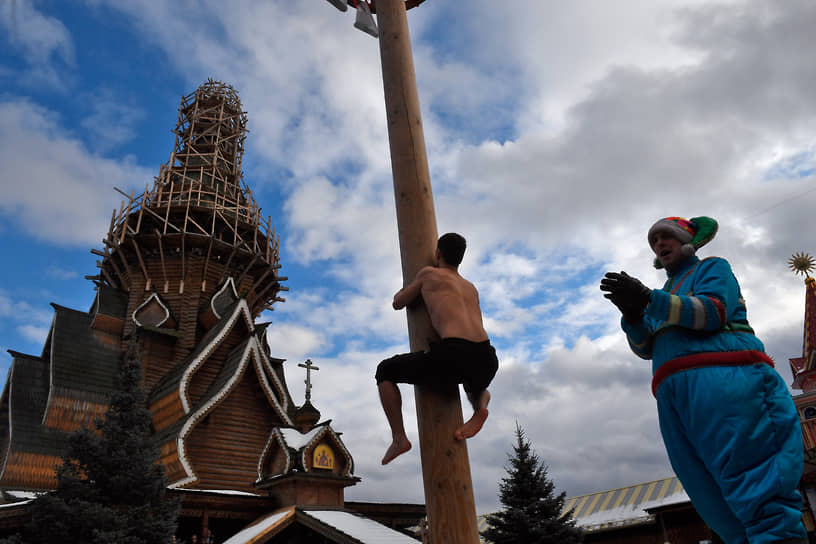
(186, 268)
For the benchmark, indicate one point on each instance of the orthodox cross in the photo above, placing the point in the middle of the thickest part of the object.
(309, 366)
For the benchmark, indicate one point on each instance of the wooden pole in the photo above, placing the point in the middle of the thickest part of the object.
(445, 466)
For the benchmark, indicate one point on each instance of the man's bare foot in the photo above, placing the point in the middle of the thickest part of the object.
(472, 426)
(397, 448)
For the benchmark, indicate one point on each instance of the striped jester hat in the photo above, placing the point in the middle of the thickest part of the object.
(694, 233)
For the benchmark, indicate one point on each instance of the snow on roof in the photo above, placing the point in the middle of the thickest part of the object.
(363, 529)
(626, 505)
(225, 492)
(257, 529)
(628, 514)
(356, 526)
(23, 494)
(296, 440)
(13, 504)
(22, 497)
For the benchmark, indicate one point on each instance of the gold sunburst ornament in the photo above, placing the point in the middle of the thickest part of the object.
(802, 263)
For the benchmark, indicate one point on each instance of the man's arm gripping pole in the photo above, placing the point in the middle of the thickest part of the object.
(445, 465)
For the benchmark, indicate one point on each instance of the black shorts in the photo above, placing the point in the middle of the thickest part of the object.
(453, 360)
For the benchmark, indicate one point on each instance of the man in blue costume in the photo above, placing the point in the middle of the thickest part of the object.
(727, 419)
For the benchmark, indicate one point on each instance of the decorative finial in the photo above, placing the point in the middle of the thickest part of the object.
(802, 263)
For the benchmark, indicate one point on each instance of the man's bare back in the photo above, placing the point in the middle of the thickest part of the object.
(451, 300)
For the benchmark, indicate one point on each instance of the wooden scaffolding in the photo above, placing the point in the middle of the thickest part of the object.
(199, 207)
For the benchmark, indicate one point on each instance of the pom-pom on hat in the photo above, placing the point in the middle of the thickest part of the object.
(694, 233)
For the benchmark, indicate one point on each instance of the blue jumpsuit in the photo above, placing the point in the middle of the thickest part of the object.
(727, 419)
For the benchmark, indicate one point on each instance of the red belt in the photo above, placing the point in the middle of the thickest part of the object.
(718, 358)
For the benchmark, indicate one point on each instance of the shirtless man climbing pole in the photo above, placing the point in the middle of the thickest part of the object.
(463, 355)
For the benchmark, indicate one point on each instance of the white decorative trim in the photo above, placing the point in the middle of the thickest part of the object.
(308, 444)
(252, 348)
(205, 353)
(145, 303)
(262, 363)
(228, 283)
(95, 307)
(270, 394)
(275, 436)
(350, 467)
(319, 436)
(52, 333)
(10, 428)
(193, 419)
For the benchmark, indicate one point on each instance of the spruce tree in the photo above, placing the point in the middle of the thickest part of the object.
(110, 487)
(532, 511)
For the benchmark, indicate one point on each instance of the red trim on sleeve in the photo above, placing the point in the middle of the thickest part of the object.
(720, 309)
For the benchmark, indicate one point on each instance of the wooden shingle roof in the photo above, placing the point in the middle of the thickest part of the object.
(28, 395)
(621, 507)
(80, 361)
(30, 450)
(626, 505)
(110, 301)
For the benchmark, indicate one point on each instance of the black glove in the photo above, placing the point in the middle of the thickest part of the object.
(631, 313)
(627, 293)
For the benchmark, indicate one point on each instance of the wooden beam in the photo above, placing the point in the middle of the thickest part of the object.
(125, 264)
(187, 209)
(260, 279)
(119, 274)
(261, 295)
(108, 277)
(246, 270)
(206, 262)
(161, 256)
(199, 227)
(141, 210)
(183, 265)
(445, 465)
(141, 264)
(227, 264)
(160, 218)
(123, 213)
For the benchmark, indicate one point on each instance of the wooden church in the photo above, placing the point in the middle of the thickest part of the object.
(186, 269)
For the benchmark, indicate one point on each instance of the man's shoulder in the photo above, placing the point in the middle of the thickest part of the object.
(426, 271)
(437, 276)
(714, 262)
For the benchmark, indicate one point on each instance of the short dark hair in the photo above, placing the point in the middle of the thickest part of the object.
(452, 247)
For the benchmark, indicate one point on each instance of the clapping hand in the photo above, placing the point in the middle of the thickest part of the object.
(627, 293)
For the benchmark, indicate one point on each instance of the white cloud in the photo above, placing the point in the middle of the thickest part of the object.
(111, 121)
(564, 139)
(554, 140)
(293, 342)
(32, 333)
(60, 273)
(53, 187)
(12, 309)
(44, 41)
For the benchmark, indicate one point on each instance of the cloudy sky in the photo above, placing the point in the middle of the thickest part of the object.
(557, 132)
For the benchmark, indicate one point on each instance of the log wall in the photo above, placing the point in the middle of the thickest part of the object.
(236, 430)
